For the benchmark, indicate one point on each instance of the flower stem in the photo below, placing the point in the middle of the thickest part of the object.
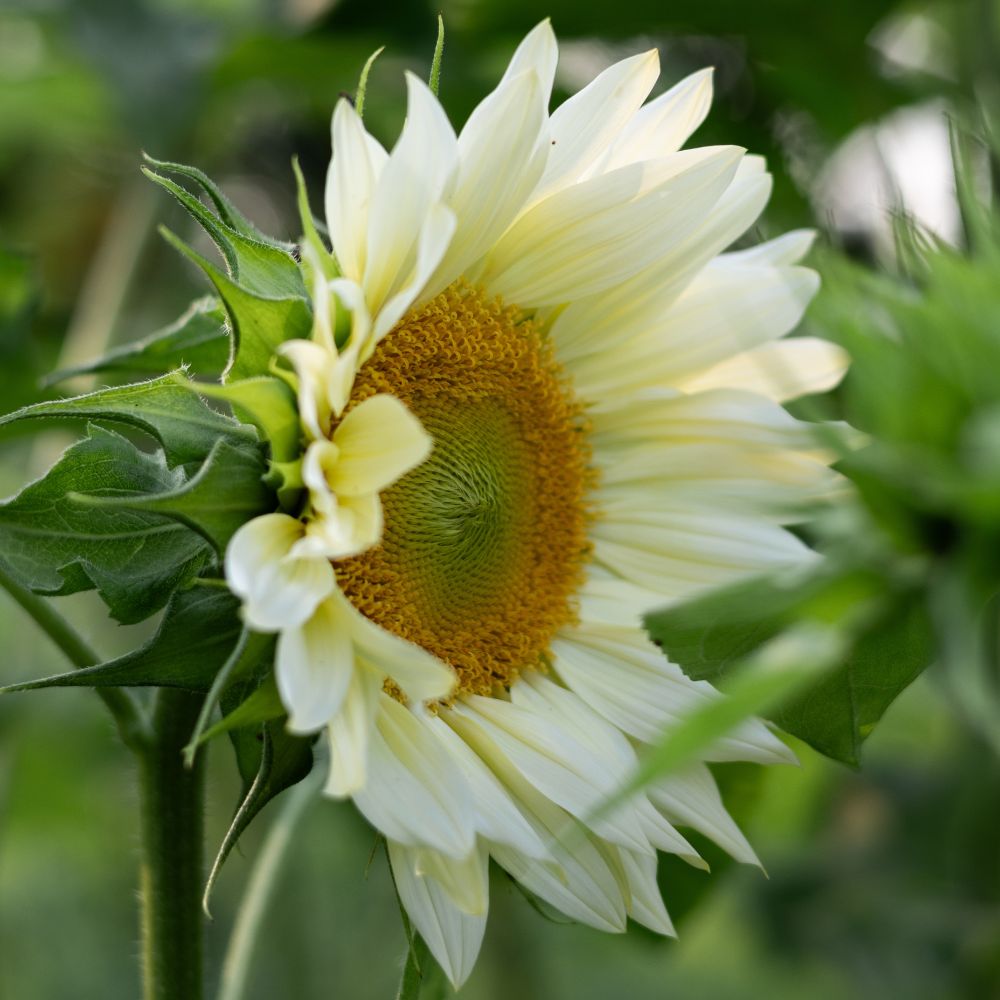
(172, 852)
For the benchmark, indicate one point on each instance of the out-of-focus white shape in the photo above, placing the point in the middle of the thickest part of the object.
(913, 43)
(902, 162)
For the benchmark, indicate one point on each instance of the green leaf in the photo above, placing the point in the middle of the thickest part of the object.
(284, 760)
(310, 235)
(225, 493)
(260, 323)
(135, 559)
(839, 712)
(198, 634)
(199, 339)
(186, 427)
(228, 212)
(254, 265)
(263, 705)
(269, 404)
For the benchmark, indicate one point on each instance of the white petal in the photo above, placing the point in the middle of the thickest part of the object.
(415, 794)
(635, 307)
(464, 880)
(502, 153)
(350, 733)
(312, 363)
(622, 676)
(663, 125)
(278, 591)
(585, 125)
(645, 904)
(418, 172)
(780, 371)
(313, 667)
(557, 760)
(691, 798)
(783, 251)
(539, 52)
(596, 234)
(497, 817)
(453, 937)
(421, 675)
(350, 183)
(378, 441)
(432, 243)
(581, 882)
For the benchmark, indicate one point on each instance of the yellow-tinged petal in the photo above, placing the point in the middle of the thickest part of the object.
(379, 441)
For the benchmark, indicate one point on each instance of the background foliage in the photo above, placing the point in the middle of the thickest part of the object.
(882, 882)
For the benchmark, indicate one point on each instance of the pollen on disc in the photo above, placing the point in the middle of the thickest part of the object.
(484, 543)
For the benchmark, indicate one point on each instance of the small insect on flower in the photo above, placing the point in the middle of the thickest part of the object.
(538, 402)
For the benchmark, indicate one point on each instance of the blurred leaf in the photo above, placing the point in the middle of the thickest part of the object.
(227, 491)
(254, 265)
(134, 559)
(198, 633)
(178, 419)
(260, 323)
(198, 339)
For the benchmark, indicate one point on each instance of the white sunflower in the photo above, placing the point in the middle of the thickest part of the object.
(550, 405)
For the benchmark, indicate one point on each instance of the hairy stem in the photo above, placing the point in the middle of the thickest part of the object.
(171, 809)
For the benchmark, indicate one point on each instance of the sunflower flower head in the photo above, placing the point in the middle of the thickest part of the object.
(538, 399)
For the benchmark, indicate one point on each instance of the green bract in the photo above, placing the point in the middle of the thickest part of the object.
(142, 508)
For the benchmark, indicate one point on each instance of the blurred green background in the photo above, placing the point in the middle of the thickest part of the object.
(883, 883)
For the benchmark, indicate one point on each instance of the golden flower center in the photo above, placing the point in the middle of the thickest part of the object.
(484, 543)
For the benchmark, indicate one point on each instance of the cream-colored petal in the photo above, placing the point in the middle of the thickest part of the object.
(723, 312)
(415, 793)
(502, 152)
(350, 184)
(780, 371)
(691, 798)
(663, 125)
(624, 678)
(313, 667)
(548, 700)
(562, 764)
(453, 937)
(379, 441)
(585, 125)
(312, 363)
(349, 733)
(537, 52)
(596, 234)
(783, 251)
(418, 173)
(278, 591)
(432, 243)
(645, 902)
(634, 307)
(421, 675)
(464, 880)
(497, 816)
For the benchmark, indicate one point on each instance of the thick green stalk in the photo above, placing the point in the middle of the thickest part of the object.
(172, 860)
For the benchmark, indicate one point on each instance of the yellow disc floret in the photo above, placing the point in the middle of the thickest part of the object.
(484, 543)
